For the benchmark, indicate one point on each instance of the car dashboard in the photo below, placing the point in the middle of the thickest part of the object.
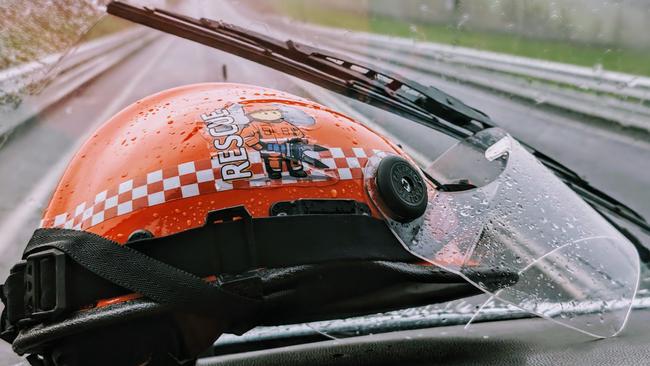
(529, 341)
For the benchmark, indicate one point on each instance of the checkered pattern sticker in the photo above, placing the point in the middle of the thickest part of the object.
(195, 178)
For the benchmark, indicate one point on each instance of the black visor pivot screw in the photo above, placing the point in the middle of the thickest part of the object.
(401, 189)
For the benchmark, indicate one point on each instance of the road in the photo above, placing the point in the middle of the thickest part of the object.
(608, 159)
(33, 158)
(37, 153)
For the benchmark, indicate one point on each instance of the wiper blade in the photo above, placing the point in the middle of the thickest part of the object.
(266, 337)
(337, 73)
(461, 313)
(383, 89)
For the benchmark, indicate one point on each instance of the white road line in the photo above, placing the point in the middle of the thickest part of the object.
(33, 203)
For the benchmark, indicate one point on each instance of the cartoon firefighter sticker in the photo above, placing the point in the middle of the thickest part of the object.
(274, 131)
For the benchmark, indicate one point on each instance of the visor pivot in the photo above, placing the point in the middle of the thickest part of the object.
(401, 188)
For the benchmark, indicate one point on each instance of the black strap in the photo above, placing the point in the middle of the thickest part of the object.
(223, 245)
(168, 269)
(131, 269)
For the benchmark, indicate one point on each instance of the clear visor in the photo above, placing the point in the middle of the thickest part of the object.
(514, 230)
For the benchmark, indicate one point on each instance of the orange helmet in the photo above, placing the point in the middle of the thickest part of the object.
(211, 190)
(164, 162)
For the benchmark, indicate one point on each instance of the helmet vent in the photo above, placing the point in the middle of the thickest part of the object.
(139, 235)
(319, 207)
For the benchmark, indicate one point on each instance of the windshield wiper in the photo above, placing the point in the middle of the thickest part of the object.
(396, 94)
(331, 71)
(266, 337)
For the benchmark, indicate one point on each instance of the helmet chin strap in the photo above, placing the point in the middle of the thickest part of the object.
(66, 270)
(292, 295)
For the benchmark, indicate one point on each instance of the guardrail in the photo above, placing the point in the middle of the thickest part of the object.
(610, 96)
(82, 64)
(593, 78)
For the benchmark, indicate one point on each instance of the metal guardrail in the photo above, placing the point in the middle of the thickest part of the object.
(82, 64)
(593, 78)
(563, 86)
(606, 108)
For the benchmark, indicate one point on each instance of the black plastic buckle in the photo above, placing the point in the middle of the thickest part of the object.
(248, 284)
(7, 331)
(45, 287)
(236, 213)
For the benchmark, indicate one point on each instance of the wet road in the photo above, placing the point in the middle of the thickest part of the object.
(33, 158)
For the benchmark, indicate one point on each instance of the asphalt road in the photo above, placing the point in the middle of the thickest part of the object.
(33, 158)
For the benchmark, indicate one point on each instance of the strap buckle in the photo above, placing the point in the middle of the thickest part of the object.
(45, 284)
(248, 284)
(248, 256)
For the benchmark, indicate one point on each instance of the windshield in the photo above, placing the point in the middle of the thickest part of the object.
(570, 78)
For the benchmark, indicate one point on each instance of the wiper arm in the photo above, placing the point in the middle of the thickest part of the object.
(396, 94)
(262, 338)
(334, 72)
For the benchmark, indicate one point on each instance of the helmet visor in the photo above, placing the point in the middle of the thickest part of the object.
(514, 230)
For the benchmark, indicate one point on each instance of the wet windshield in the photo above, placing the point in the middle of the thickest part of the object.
(571, 78)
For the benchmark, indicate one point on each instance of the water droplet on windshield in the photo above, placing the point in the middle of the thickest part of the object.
(598, 68)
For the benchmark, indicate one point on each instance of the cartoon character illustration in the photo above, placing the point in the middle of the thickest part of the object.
(274, 132)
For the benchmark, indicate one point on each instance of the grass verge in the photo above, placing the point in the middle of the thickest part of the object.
(614, 59)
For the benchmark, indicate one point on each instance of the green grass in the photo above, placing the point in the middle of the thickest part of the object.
(108, 24)
(29, 42)
(615, 59)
